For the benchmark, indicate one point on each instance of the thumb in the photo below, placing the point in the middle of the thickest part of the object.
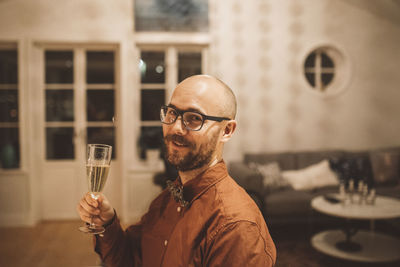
(104, 204)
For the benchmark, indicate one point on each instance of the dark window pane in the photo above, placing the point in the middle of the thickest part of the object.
(151, 137)
(9, 148)
(8, 67)
(100, 105)
(59, 67)
(8, 105)
(59, 143)
(152, 100)
(189, 64)
(311, 78)
(102, 135)
(326, 62)
(326, 78)
(100, 67)
(310, 61)
(152, 67)
(59, 105)
(171, 15)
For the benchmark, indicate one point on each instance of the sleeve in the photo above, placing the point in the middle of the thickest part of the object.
(119, 248)
(240, 244)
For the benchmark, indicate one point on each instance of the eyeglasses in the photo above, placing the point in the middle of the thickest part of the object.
(192, 120)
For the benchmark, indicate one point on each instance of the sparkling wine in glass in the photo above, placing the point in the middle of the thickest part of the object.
(97, 167)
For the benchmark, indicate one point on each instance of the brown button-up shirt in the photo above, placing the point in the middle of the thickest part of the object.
(221, 226)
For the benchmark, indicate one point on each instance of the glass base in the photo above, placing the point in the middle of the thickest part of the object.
(94, 230)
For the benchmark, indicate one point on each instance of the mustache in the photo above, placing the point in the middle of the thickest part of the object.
(178, 139)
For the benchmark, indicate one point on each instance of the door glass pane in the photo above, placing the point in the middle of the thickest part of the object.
(9, 148)
(102, 135)
(59, 67)
(171, 15)
(152, 67)
(8, 105)
(189, 64)
(100, 105)
(151, 137)
(100, 67)
(152, 100)
(59, 143)
(8, 67)
(9, 133)
(59, 105)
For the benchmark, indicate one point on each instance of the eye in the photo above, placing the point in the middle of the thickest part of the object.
(171, 112)
(193, 117)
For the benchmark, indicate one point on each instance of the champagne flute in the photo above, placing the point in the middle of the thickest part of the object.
(97, 167)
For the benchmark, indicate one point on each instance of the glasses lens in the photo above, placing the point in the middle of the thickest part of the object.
(168, 115)
(193, 120)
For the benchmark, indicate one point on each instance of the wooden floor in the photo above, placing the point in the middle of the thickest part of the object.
(57, 243)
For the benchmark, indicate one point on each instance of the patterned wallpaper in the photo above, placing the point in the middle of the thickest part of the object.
(258, 48)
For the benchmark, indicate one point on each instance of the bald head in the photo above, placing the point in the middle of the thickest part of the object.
(213, 92)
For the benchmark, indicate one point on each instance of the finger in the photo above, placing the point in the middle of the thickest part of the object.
(103, 202)
(84, 211)
(91, 210)
(100, 199)
(86, 217)
(90, 200)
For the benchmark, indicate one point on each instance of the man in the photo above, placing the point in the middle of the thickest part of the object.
(204, 218)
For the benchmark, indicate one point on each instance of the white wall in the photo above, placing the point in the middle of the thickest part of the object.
(257, 47)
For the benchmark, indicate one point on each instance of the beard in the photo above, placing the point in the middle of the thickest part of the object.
(191, 160)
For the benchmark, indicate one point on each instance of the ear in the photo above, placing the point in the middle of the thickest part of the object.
(228, 131)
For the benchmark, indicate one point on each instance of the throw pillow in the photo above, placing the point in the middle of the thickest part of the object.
(271, 173)
(311, 177)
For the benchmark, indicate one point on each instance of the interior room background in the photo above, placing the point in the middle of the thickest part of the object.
(308, 75)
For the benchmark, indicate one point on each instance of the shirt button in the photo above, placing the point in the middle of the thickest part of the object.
(165, 242)
(178, 209)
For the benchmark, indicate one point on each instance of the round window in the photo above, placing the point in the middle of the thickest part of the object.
(325, 70)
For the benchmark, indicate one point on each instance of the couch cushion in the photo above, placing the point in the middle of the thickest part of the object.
(307, 158)
(293, 205)
(314, 176)
(389, 191)
(288, 202)
(385, 166)
(246, 177)
(286, 161)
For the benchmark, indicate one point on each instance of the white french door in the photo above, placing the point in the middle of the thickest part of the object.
(79, 105)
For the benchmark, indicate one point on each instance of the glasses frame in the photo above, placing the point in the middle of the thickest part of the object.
(182, 112)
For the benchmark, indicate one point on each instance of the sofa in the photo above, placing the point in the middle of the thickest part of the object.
(283, 184)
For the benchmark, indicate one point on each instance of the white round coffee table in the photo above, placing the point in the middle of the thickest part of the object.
(365, 246)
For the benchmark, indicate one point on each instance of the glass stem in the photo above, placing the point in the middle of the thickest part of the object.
(95, 197)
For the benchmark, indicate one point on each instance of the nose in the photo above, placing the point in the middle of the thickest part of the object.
(178, 126)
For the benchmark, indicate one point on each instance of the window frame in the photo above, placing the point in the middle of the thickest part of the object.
(171, 44)
(341, 70)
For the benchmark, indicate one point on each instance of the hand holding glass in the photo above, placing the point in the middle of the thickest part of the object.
(97, 167)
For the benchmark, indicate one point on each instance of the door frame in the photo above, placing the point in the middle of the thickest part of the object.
(75, 167)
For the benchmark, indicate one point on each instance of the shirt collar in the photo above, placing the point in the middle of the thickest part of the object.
(194, 188)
